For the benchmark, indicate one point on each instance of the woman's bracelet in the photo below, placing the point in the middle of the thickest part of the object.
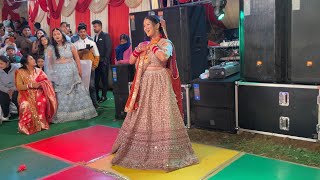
(155, 49)
(136, 53)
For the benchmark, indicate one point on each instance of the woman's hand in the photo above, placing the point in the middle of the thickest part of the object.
(142, 47)
(80, 72)
(36, 85)
(10, 93)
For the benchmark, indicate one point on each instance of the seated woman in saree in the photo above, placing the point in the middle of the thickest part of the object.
(36, 99)
(64, 70)
(153, 135)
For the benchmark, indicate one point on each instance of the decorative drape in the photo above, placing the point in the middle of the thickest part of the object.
(133, 3)
(144, 6)
(102, 16)
(12, 4)
(1, 6)
(118, 24)
(10, 7)
(54, 9)
(83, 5)
(68, 7)
(83, 17)
(115, 3)
(43, 4)
(98, 6)
(33, 11)
(53, 23)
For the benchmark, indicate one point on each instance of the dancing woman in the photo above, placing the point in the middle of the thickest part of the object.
(153, 135)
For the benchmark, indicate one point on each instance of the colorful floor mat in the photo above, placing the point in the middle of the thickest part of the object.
(210, 157)
(64, 157)
(37, 165)
(80, 173)
(79, 146)
(250, 167)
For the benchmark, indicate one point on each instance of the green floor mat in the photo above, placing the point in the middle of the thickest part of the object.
(37, 164)
(250, 167)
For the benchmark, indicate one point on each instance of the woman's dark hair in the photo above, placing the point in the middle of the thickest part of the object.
(24, 61)
(4, 59)
(155, 20)
(44, 32)
(55, 44)
(41, 47)
(125, 37)
(37, 25)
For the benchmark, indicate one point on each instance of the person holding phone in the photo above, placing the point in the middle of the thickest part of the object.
(87, 50)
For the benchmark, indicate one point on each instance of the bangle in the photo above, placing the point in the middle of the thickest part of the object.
(135, 53)
(138, 49)
(155, 49)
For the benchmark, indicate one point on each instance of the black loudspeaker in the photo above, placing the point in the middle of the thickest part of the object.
(120, 101)
(213, 103)
(265, 40)
(186, 27)
(304, 52)
(122, 74)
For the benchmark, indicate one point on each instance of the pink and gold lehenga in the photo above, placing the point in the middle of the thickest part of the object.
(153, 135)
(37, 106)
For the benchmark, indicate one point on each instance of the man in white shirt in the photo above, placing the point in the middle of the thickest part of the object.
(87, 50)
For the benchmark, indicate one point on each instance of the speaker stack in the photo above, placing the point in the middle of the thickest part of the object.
(280, 65)
(122, 74)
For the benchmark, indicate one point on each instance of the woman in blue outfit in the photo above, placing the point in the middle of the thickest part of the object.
(64, 70)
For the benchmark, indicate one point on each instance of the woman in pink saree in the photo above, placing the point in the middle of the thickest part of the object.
(37, 99)
(153, 135)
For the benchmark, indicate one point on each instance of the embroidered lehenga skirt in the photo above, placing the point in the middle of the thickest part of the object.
(154, 136)
(74, 102)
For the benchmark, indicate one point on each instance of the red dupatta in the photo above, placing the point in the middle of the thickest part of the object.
(172, 69)
(50, 95)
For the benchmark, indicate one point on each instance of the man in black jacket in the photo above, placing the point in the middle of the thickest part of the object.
(103, 42)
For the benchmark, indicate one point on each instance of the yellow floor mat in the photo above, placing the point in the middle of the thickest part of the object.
(211, 158)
